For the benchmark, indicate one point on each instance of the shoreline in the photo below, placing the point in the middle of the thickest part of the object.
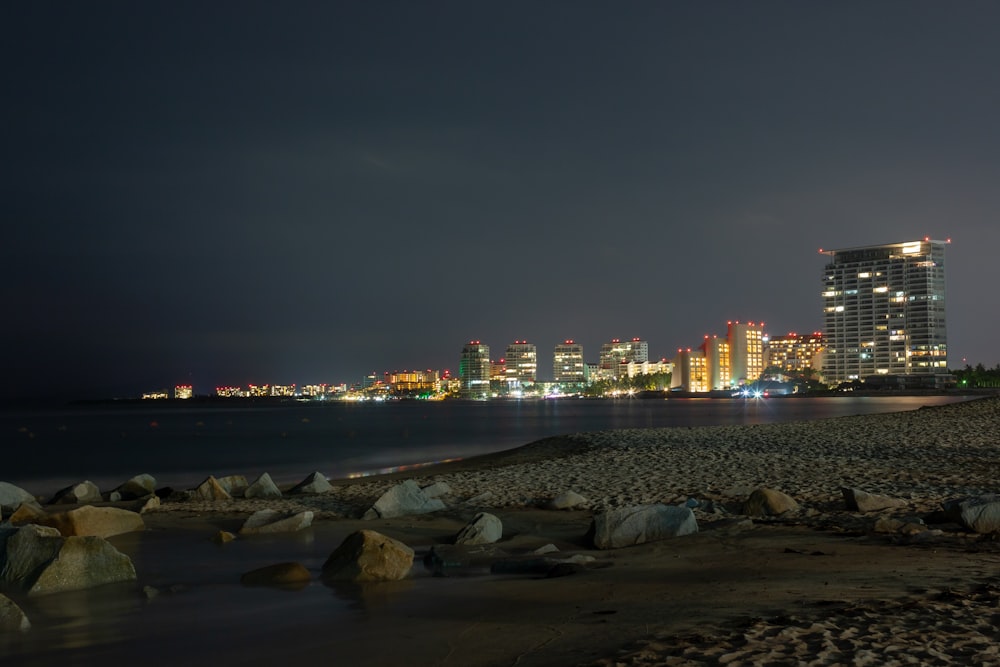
(821, 583)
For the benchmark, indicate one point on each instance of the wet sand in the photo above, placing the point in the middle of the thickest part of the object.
(820, 585)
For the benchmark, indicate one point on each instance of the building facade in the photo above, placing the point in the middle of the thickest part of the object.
(521, 363)
(795, 353)
(474, 371)
(617, 354)
(568, 366)
(746, 351)
(884, 311)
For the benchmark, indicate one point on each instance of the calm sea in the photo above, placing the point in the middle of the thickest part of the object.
(46, 449)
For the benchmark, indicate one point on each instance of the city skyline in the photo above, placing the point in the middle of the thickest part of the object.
(217, 194)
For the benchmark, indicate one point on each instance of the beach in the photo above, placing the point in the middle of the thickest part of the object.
(818, 584)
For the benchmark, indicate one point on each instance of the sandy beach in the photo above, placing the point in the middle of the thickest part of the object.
(819, 584)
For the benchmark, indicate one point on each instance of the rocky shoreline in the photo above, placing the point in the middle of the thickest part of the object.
(885, 481)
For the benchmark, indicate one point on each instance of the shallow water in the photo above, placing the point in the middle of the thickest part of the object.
(47, 449)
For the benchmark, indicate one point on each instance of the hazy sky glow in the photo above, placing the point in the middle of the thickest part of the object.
(235, 192)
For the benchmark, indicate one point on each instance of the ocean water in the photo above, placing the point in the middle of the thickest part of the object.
(45, 449)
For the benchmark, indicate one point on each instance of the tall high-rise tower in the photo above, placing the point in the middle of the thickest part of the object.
(474, 370)
(884, 311)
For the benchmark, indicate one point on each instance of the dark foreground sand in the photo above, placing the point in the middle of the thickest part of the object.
(820, 585)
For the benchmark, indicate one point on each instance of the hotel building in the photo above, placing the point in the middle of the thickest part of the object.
(795, 353)
(568, 366)
(474, 370)
(722, 363)
(884, 311)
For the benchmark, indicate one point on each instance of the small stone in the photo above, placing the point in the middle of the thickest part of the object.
(272, 521)
(263, 487)
(210, 489)
(314, 483)
(484, 528)
(768, 502)
(566, 500)
(223, 537)
(280, 574)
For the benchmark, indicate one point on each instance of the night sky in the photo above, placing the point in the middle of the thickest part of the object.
(242, 192)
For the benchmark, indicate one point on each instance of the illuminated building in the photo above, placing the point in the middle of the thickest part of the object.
(156, 395)
(722, 363)
(718, 366)
(258, 391)
(413, 381)
(230, 392)
(690, 371)
(794, 353)
(474, 370)
(521, 365)
(567, 363)
(746, 352)
(616, 355)
(884, 311)
(183, 391)
(498, 371)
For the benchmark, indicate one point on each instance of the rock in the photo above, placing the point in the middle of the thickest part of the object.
(271, 521)
(643, 523)
(979, 514)
(437, 489)
(27, 513)
(235, 485)
(12, 497)
(263, 487)
(566, 500)
(83, 562)
(368, 556)
(403, 499)
(483, 529)
(546, 549)
(857, 500)
(84, 492)
(481, 499)
(279, 574)
(314, 483)
(115, 497)
(768, 502)
(139, 486)
(210, 489)
(97, 521)
(12, 619)
(27, 551)
(40, 560)
(143, 506)
(223, 537)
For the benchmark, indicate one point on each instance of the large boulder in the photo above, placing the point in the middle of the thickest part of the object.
(12, 497)
(483, 529)
(210, 489)
(368, 556)
(84, 492)
(643, 523)
(235, 485)
(403, 499)
(12, 619)
(980, 514)
(139, 486)
(314, 483)
(437, 489)
(263, 487)
(768, 502)
(857, 500)
(96, 521)
(27, 551)
(39, 560)
(272, 521)
(27, 513)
